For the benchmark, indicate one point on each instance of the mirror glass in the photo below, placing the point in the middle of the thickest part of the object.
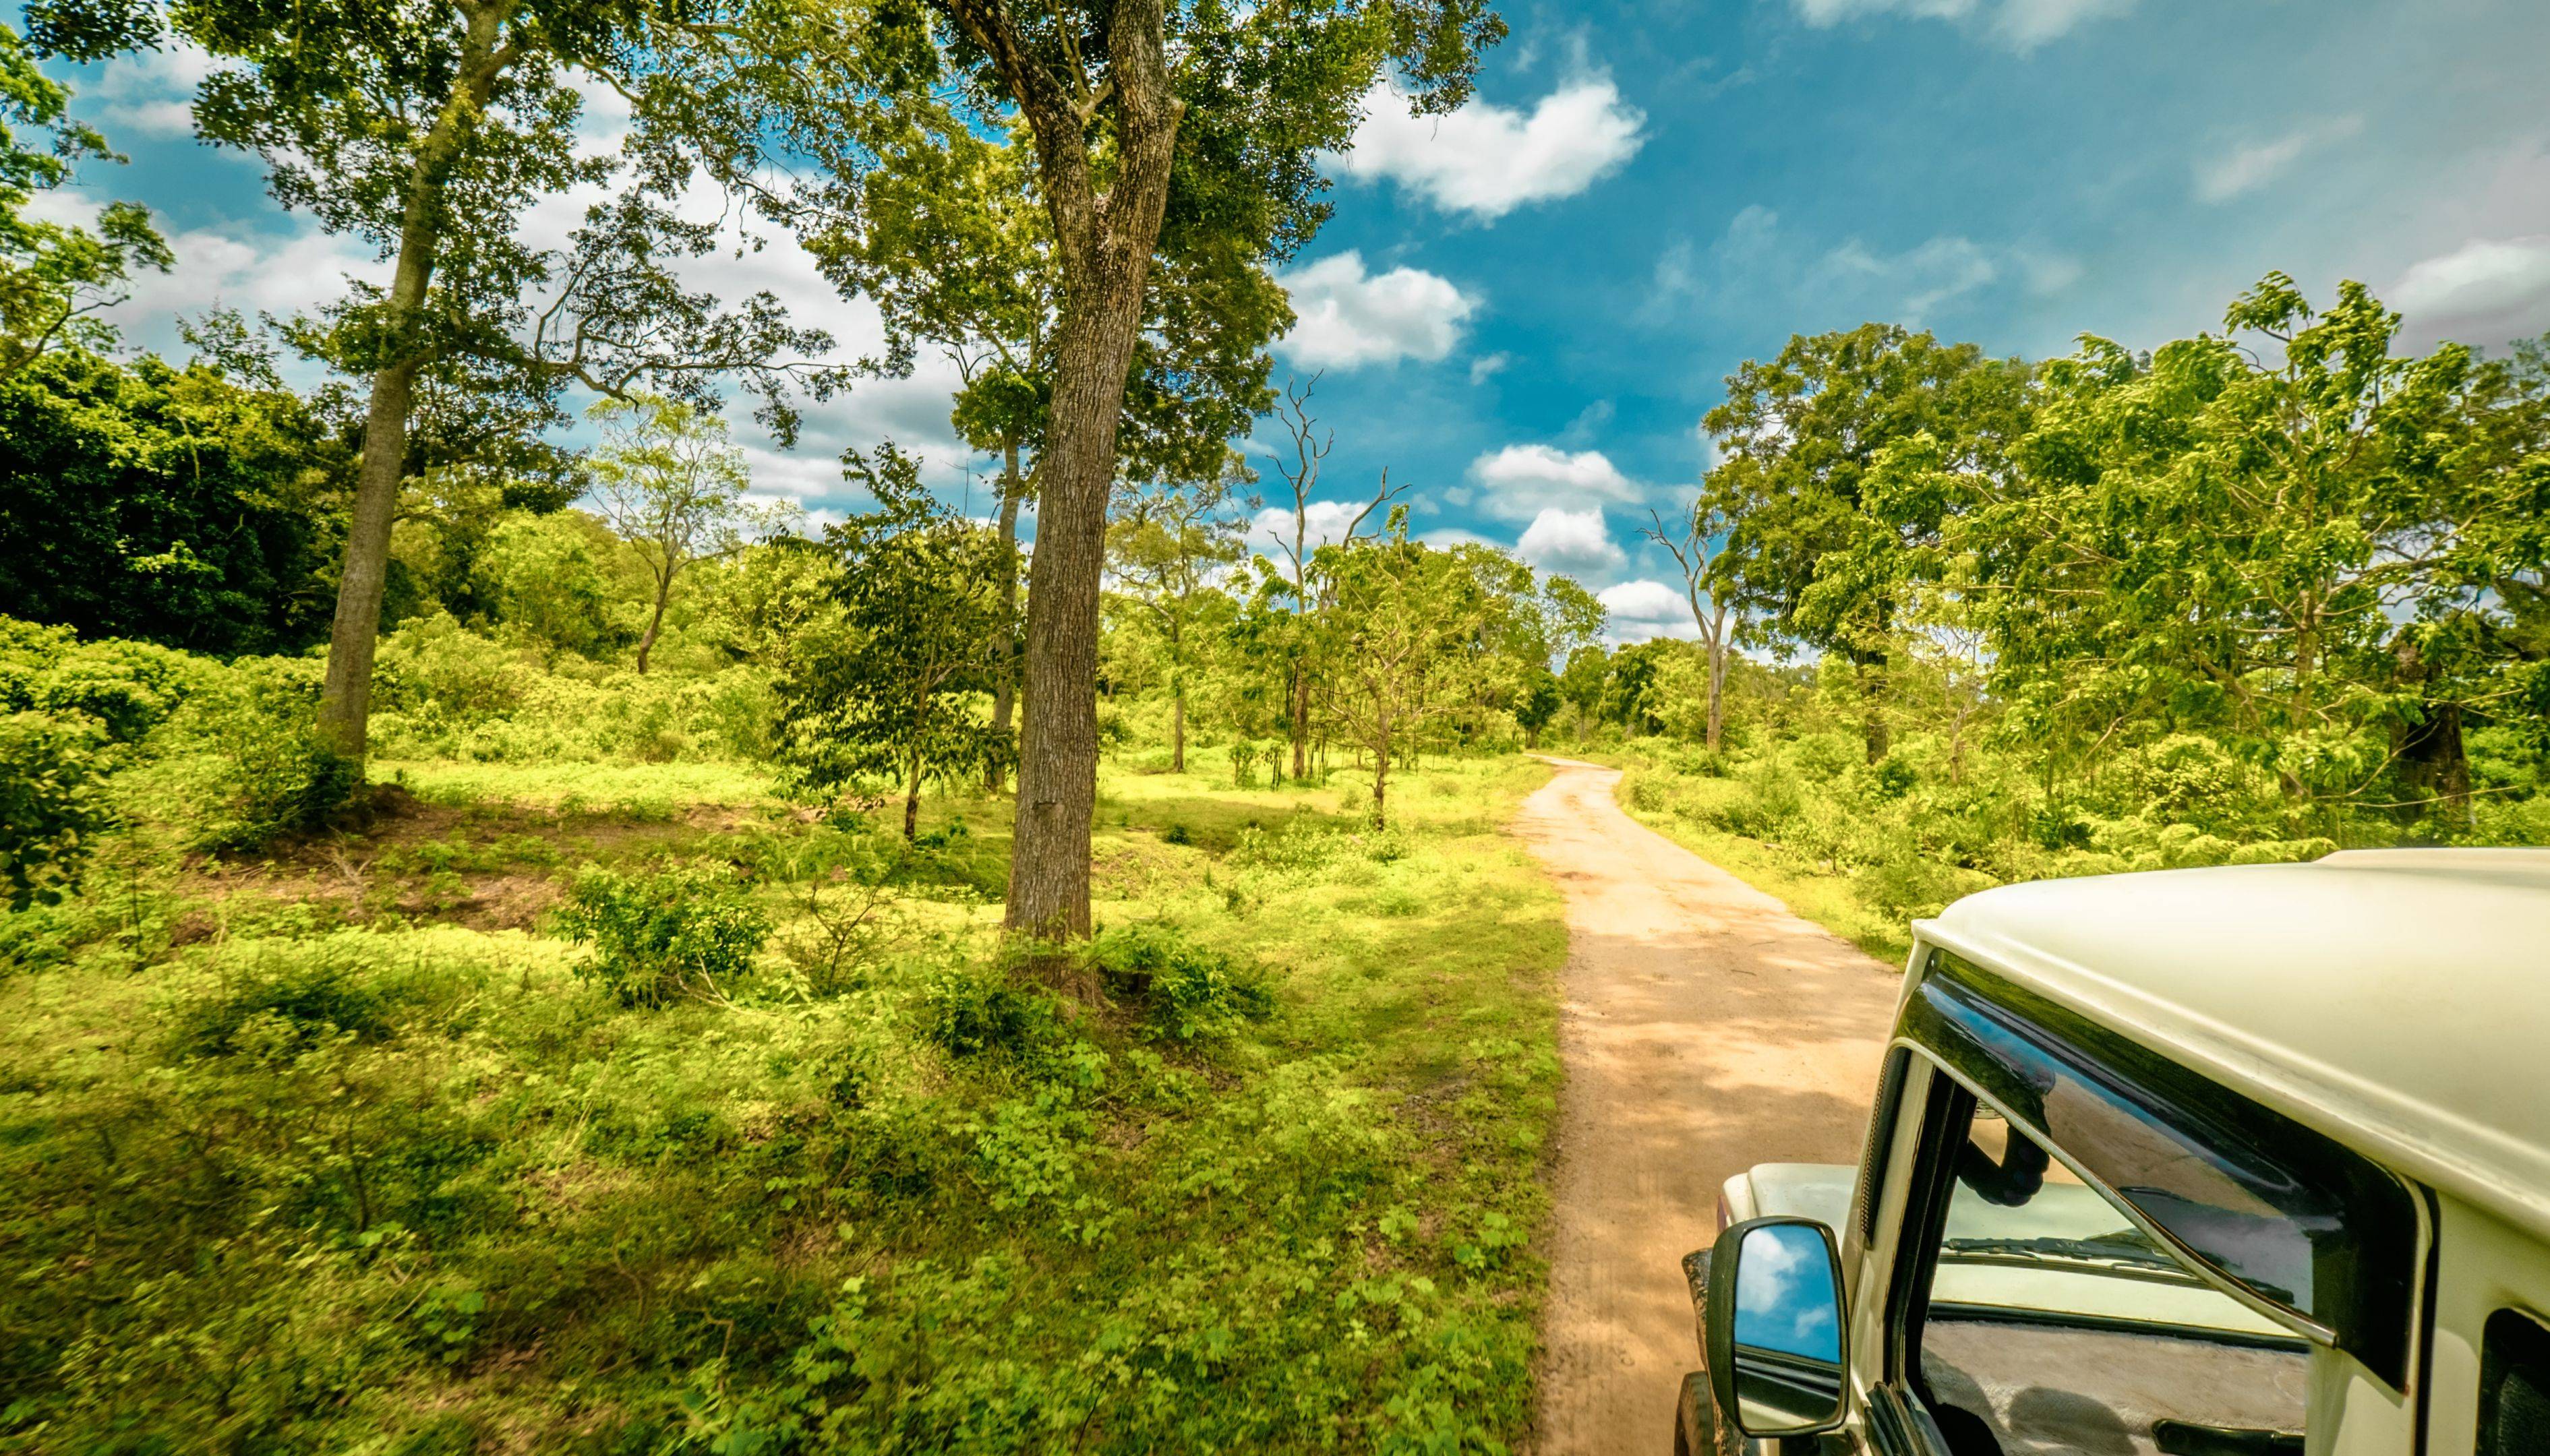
(1788, 1332)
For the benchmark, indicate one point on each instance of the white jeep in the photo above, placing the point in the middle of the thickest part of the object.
(2204, 1162)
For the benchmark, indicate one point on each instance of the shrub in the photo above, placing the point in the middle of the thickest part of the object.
(660, 936)
(1911, 886)
(129, 687)
(1187, 991)
(295, 999)
(967, 1009)
(247, 765)
(1765, 807)
(51, 803)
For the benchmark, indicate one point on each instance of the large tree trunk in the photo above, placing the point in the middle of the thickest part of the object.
(1106, 245)
(345, 697)
(1006, 681)
(1178, 730)
(912, 805)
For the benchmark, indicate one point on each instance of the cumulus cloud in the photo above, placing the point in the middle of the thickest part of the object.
(1521, 481)
(1488, 367)
(151, 93)
(1270, 532)
(2486, 291)
(2019, 25)
(1345, 318)
(2225, 174)
(1576, 543)
(1643, 610)
(1486, 159)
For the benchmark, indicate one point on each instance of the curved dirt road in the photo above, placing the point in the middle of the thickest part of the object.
(1705, 1029)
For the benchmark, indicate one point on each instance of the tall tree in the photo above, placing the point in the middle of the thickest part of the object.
(1293, 577)
(669, 480)
(56, 275)
(1695, 550)
(1410, 622)
(1163, 548)
(1805, 556)
(1168, 139)
(890, 692)
(2230, 540)
(428, 130)
(945, 232)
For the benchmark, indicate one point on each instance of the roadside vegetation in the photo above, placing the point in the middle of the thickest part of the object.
(1963, 620)
(559, 1098)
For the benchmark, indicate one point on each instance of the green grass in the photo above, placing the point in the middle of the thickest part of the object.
(346, 1149)
(630, 790)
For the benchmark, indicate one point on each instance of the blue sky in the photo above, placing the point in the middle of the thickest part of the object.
(1523, 309)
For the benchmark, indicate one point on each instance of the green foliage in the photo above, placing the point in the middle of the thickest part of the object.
(690, 931)
(1187, 992)
(243, 763)
(53, 803)
(187, 507)
(53, 274)
(925, 626)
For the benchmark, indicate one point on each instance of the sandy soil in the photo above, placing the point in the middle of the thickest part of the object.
(1705, 1030)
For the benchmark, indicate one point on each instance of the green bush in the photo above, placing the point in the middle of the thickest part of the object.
(53, 803)
(243, 763)
(660, 936)
(968, 1010)
(129, 687)
(296, 1001)
(1187, 992)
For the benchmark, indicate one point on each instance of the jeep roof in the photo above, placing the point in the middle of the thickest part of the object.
(2397, 1001)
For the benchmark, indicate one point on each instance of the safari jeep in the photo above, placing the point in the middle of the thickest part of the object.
(2206, 1162)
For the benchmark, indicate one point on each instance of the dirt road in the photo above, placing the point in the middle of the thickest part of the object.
(1705, 1028)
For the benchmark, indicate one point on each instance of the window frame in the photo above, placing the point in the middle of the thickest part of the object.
(2087, 1047)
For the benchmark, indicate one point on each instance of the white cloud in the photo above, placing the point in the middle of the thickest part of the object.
(1325, 524)
(1345, 318)
(1488, 367)
(1642, 609)
(1577, 543)
(2019, 25)
(2245, 169)
(151, 92)
(2495, 288)
(1521, 481)
(1487, 160)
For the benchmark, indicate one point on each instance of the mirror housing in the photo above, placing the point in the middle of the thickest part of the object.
(1784, 1377)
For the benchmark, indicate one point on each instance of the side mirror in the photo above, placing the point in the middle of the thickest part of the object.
(1774, 1327)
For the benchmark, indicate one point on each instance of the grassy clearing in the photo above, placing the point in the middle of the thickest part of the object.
(347, 1149)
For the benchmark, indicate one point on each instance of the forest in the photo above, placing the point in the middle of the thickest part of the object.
(516, 938)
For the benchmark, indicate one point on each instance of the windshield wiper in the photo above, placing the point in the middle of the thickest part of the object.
(2118, 1254)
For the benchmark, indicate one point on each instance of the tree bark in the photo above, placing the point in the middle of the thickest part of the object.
(1104, 244)
(346, 696)
(1301, 725)
(1872, 706)
(1005, 683)
(1380, 781)
(912, 806)
(1178, 730)
(656, 624)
